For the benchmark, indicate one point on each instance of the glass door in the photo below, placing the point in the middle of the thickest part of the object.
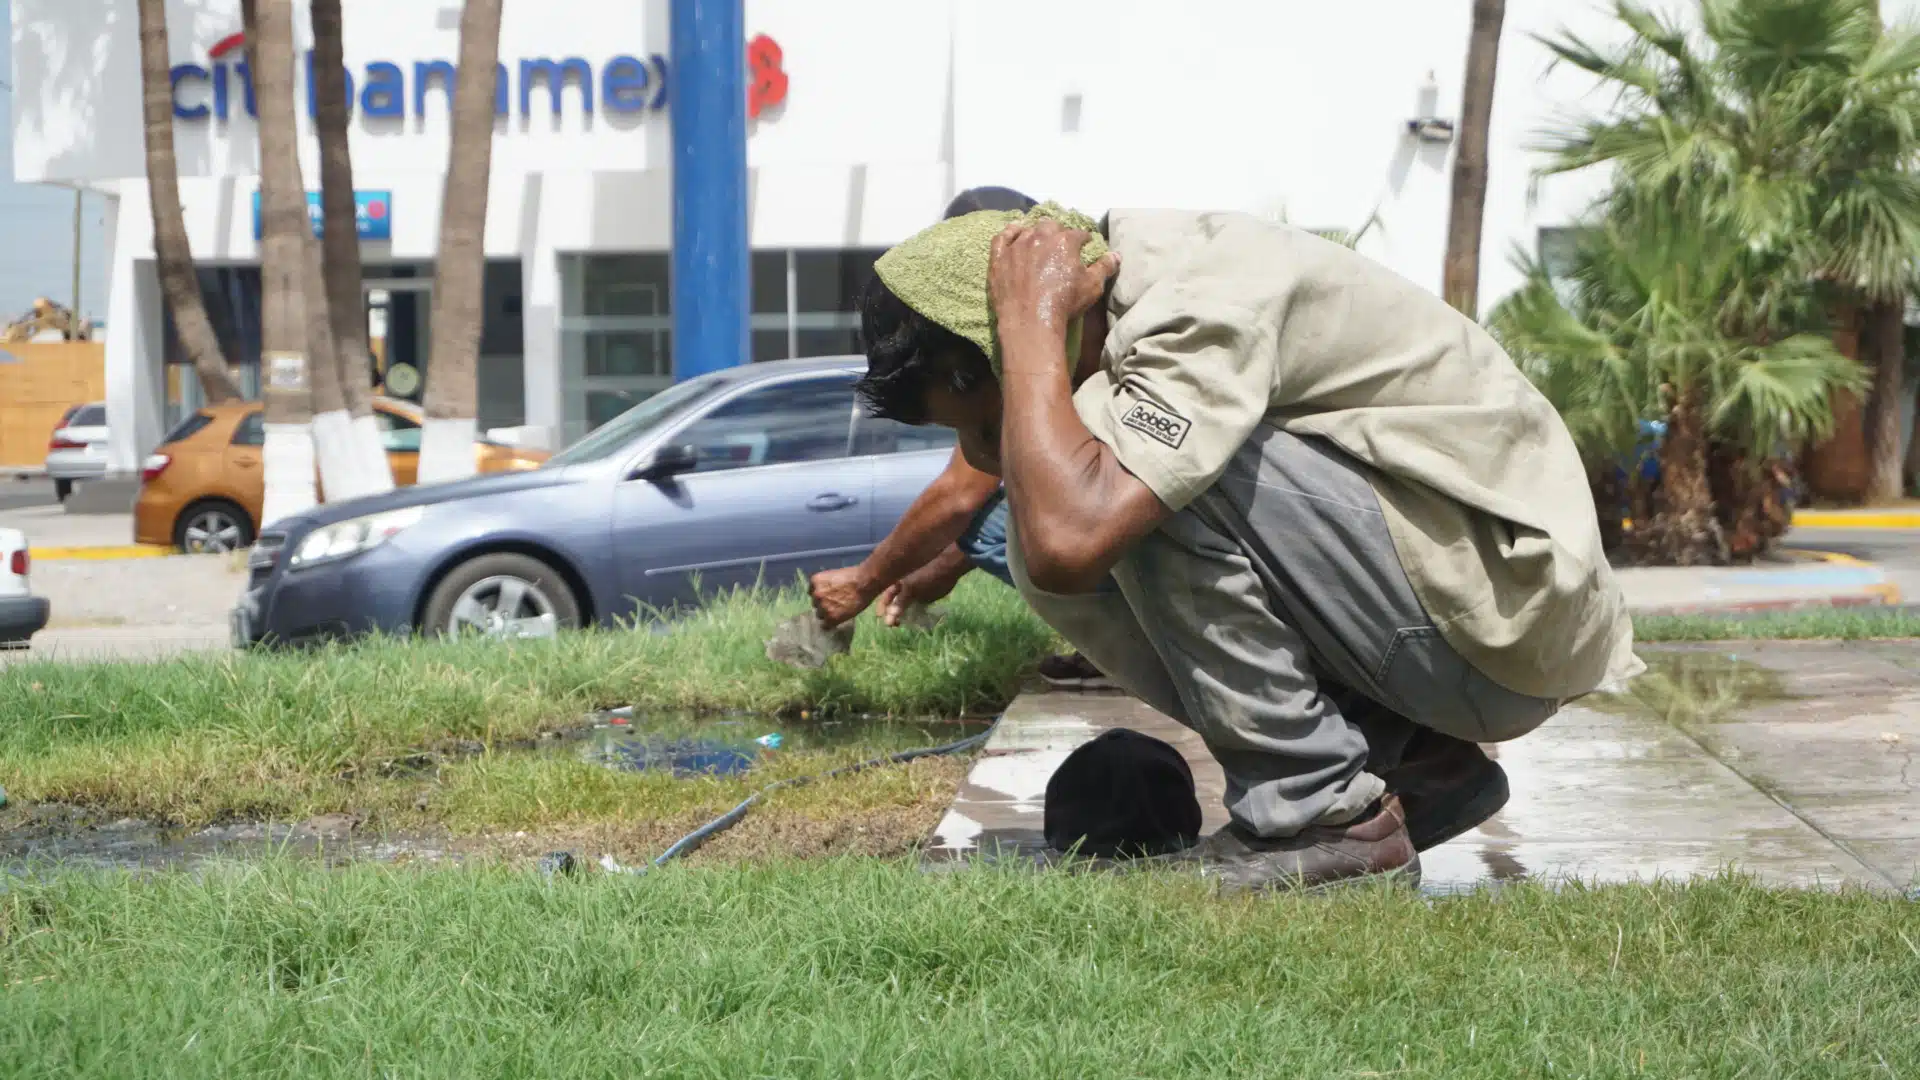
(399, 334)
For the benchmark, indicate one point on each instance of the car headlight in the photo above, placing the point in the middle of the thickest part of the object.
(353, 536)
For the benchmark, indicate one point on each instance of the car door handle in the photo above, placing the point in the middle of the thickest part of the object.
(831, 501)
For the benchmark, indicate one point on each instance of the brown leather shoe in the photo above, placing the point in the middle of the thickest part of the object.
(1317, 857)
(1447, 785)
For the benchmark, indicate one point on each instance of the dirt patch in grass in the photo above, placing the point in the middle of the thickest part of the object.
(887, 811)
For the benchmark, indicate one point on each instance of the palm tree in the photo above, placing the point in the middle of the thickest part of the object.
(1795, 123)
(285, 264)
(1657, 319)
(172, 253)
(1462, 274)
(446, 448)
(346, 309)
(340, 462)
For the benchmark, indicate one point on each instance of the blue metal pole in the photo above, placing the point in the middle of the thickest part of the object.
(708, 103)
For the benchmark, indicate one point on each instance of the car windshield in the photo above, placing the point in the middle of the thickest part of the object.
(617, 434)
(89, 416)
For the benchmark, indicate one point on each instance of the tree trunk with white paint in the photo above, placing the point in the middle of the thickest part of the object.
(343, 466)
(286, 239)
(172, 253)
(452, 399)
(346, 306)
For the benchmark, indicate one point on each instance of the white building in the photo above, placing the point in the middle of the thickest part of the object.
(1278, 107)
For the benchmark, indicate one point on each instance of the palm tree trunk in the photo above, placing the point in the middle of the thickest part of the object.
(285, 246)
(1685, 531)
(452, 398)
(1886, 342)
(354, 426)
(173, 255)
(1912, 471)
(1609, 502)
(340, 464)
(1462, 272)
(1836, 470)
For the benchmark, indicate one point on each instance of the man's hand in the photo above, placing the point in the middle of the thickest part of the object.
(1038, 284)
(924, 586)
(839, 595)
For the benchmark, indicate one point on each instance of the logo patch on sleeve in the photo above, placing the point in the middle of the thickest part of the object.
(1161, 425)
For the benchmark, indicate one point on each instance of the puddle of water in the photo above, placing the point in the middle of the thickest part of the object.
(1696, 687)
(688, 745)
(70, 838)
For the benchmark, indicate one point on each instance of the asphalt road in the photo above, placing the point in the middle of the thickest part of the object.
(1897, 551)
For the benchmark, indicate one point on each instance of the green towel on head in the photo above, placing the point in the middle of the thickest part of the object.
(941, 271)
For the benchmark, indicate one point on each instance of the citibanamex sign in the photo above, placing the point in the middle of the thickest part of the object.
(623, 85)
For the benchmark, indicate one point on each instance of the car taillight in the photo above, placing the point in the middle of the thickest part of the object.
(151, 468)
(19, 563)
(58, 443)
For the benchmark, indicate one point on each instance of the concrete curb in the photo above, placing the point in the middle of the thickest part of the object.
(1877, 594)
(104, 553)
(1856, 519)
(1765, 607)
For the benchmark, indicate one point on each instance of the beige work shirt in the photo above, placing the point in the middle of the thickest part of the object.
(1220, 321)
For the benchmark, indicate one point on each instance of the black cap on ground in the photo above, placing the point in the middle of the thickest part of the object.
(1122, 794)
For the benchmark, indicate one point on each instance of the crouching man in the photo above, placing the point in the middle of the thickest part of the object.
(1350, 540)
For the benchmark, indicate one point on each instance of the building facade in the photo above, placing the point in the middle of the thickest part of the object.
(871, 115)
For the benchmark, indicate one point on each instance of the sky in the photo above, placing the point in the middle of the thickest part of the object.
(36, 227)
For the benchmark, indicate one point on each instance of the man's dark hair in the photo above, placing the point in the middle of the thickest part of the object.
(909, 354)
(989, 198)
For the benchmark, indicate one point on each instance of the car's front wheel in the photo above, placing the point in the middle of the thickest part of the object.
(503, 595)
(212, 527)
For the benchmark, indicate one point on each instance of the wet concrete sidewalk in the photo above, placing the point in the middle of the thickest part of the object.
(1794, 762)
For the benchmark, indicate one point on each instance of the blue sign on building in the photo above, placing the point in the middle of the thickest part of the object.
(373, 214)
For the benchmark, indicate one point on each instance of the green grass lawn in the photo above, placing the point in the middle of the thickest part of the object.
(287, 736)
(205, 737)
(1844, 624)
(847, 969)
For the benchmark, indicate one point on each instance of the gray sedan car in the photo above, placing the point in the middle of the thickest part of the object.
(756, 473)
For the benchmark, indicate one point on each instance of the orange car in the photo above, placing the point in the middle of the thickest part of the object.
(201, 490)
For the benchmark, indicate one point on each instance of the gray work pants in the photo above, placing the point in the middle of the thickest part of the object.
(1272, 617)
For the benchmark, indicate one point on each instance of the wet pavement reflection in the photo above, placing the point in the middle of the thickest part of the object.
(1791, 762)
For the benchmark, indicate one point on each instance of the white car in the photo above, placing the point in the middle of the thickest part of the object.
(22, 614)
(78, 450)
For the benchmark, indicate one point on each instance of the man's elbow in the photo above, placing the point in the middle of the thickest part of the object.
(1066, 568)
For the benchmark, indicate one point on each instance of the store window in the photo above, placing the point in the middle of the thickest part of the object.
(617, 322)
(399, 301)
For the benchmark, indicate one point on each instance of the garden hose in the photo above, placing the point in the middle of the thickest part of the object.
(563, 861)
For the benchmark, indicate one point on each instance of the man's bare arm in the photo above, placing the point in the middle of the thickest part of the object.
(925, 532)
(1076, 508)
(932, 523)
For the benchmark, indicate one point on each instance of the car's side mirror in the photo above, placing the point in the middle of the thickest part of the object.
(668, 462)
